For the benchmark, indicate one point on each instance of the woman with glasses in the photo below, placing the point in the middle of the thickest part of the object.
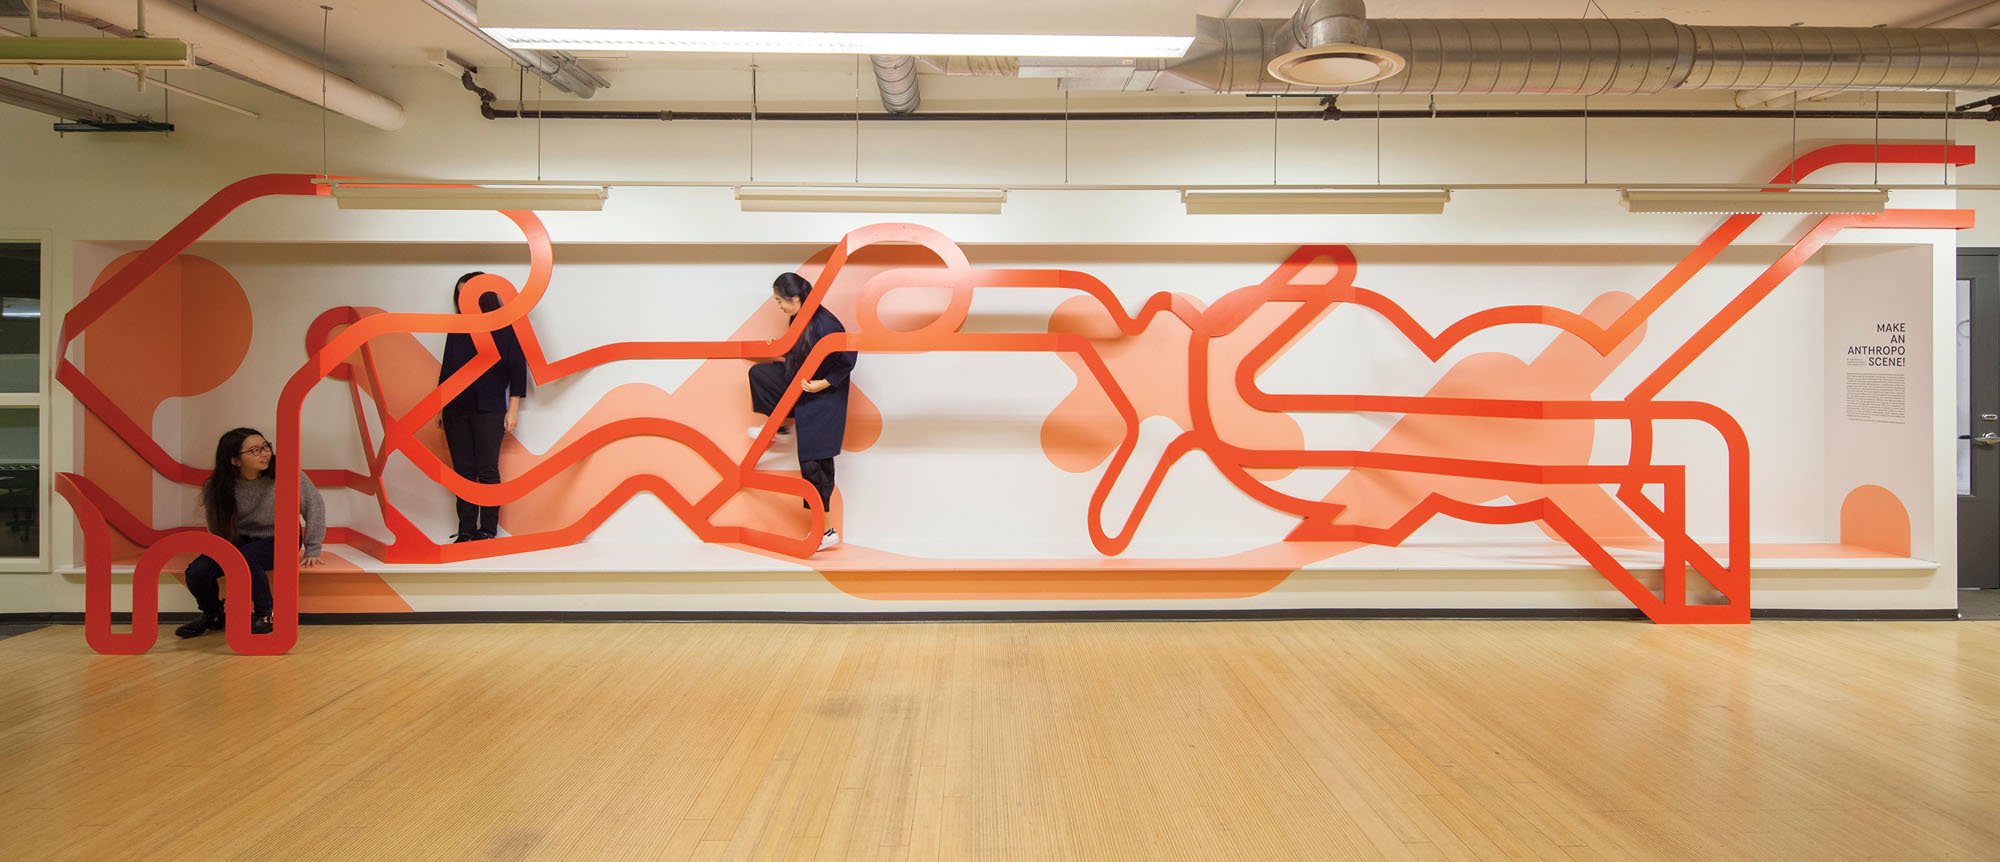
(478, 418)
(240, 500)
(821, 411)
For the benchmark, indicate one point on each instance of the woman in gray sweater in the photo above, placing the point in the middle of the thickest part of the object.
(240, 500)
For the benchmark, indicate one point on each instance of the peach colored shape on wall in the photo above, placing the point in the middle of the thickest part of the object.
(1567, 370)
(141, 351)
(138, 353)
(1152, 367)
(1873, 517)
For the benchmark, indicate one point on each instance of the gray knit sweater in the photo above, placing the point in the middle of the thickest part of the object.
(256, 511)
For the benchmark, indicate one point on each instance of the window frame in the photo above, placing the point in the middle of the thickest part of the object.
(37, 400)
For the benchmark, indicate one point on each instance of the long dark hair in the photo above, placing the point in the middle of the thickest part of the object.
(218, 494)
(791, 285)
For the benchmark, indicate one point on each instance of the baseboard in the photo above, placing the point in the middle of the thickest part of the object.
(1854, 615)
(1553, 614)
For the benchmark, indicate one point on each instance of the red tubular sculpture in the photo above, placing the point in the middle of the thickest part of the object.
(343, 353)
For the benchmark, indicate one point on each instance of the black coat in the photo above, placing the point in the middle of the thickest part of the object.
(488, 394)
(822, 415)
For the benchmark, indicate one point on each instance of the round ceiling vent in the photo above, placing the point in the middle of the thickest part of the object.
(1337, 66)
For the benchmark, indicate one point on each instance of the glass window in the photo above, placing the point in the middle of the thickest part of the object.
(20, 482)
(20, 317)
(21, 403)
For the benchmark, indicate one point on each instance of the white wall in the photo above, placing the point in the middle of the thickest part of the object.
(99, 189)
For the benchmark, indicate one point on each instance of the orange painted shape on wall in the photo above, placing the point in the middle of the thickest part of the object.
(138, 356)
(1873, 517)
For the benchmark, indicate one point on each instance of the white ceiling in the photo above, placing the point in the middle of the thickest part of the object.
(381, 43)
(388, 33)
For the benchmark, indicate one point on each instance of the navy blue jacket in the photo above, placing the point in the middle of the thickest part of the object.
(509, 376)
(822, 415)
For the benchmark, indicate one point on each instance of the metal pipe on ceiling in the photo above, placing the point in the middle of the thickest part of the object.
(556, 67)
(250, 57)
(1597, 56)
(896, 79)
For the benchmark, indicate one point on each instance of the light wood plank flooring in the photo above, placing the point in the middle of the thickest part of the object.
(1268, 740)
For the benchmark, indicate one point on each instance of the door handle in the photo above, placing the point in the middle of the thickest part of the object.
(1988, 439)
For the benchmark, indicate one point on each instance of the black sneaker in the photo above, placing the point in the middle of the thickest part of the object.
(260, 625)
(199, 626)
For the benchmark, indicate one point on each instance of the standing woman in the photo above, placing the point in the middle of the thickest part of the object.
(240, 500)
(477, 418)
(821, 410)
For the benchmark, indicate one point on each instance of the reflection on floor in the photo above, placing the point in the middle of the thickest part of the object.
(1979, 604)
(1266, 740)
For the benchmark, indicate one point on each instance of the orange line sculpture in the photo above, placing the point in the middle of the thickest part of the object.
(340, 348)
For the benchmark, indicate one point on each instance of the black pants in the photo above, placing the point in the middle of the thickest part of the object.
(820, 474)
(474, 441)
(204, 575)
(767, 385)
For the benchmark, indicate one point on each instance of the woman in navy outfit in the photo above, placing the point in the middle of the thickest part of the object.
(478, 418)
(821, 411)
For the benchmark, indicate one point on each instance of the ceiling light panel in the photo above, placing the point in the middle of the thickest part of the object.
(1019, 28)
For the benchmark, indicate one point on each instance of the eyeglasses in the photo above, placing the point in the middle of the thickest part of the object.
(260, 450)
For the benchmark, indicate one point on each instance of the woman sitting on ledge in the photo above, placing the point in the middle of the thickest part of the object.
(240, 500)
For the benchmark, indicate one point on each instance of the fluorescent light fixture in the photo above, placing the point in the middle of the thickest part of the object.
(1116, 29)
(1739, 201)
(802, 42)
(1254, 202)
(866, 200)
(58, 105)
(414, 197)
(95, 52)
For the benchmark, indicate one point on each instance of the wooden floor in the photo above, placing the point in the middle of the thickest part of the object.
(1287, 740)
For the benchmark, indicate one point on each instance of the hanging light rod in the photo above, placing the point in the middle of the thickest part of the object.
(432, 196)
(1741, 201)
(869, 200)
(1265, 202)
(95, 52)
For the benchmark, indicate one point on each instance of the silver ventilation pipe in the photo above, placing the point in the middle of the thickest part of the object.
(896, 78)
(1328, 22)
(1586, 57)
(555, 67)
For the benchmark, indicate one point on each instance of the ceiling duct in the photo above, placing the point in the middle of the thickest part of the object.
(249, 57)
(896, 78)
(1632, 56)
(556, 67)
(1328, 47)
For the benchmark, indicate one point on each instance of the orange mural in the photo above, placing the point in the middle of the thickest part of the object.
(908, 289)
